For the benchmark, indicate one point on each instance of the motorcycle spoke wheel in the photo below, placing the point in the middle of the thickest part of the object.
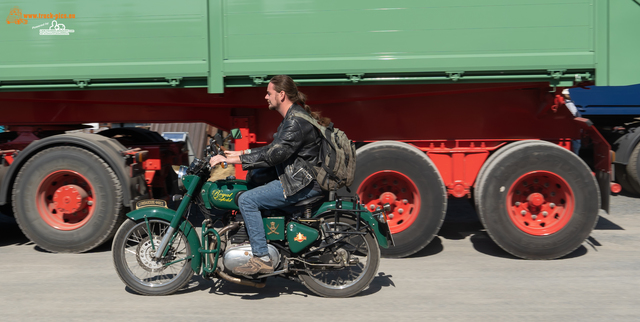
(134, 249)
(360, 256)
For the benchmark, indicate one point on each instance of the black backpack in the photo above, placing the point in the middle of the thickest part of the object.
(337, 157)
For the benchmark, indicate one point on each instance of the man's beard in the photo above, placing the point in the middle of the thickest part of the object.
(272, 107)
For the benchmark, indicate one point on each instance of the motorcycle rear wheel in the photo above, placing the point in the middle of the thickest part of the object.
(351, 279)
(133, 255)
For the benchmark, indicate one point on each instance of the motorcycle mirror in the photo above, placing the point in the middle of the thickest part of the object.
(211, 148)
(236, 134)
(218, 139)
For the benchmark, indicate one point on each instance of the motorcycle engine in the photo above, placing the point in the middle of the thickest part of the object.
(239, 251)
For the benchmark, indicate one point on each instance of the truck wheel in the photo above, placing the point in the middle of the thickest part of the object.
(67, 199)
(482, 174)
(403, 176)
(627, 183)
(633, 171)
(539, 201)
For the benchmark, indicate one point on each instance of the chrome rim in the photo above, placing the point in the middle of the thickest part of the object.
(139, 252)
(354, 250)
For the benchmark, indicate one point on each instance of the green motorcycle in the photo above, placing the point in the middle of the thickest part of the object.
(330, 244)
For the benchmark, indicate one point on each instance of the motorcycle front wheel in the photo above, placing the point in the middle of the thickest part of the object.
(134, 248)
(359, 253)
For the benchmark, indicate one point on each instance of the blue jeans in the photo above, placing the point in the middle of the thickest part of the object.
(575, 146)
(269, 196)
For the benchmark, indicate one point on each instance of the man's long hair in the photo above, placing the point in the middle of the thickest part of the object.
(286, 84)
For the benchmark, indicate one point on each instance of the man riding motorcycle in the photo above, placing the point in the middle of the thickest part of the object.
(293, 153)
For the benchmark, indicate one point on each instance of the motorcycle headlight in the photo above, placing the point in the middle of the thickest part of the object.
(182, 171)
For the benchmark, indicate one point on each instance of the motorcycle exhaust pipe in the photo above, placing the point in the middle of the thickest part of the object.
(230, 227)
(240, 281)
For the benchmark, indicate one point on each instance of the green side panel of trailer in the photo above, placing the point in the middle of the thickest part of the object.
(337, 36)
(110, 39)
(219, 42)
(624, 43)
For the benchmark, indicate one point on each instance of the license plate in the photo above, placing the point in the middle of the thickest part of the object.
(151, 203)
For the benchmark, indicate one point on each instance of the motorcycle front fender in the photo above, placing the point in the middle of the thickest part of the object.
(185, 227)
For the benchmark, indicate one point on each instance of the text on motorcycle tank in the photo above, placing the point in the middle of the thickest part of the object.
(222, 194)
(222, 197)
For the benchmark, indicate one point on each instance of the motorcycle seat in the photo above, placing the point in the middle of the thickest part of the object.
(309, 201)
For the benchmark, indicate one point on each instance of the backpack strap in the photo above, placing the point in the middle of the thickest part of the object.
(313, 121)
(325, 131)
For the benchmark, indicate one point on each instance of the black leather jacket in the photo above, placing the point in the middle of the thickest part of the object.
(294, 149)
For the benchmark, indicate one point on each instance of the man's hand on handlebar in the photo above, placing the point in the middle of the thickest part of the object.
(230, 159)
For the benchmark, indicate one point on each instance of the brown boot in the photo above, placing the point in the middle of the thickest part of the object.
(254, 266)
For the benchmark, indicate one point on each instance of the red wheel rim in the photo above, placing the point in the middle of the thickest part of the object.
(540, 203)
(397, 190)
(65, 200)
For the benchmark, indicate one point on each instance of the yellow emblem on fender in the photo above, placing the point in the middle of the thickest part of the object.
(300, 237)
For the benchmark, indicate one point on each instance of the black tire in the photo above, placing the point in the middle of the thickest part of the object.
(626, 182)
(633, 170)
(132, 257)
(31, 200)
(577, 213)
(372, 253)
(7, 209)
(409, 161)
(482, 174)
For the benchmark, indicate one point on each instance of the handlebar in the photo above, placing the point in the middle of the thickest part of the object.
(215, 148)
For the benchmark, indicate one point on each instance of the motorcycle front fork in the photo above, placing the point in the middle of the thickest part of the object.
(169, 235)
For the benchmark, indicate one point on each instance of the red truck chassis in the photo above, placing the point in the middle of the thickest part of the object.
(418, 145)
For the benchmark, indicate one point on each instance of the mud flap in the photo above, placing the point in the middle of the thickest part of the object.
(601, 160)
(604, 183)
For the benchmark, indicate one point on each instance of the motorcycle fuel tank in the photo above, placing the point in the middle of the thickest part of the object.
(222, 194)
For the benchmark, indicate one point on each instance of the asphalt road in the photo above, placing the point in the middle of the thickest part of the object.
(461, 276)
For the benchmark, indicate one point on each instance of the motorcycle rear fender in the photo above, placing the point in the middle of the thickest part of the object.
(329, 207)
(186, 227)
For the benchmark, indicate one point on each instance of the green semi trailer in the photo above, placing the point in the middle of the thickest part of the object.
(445, 99)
